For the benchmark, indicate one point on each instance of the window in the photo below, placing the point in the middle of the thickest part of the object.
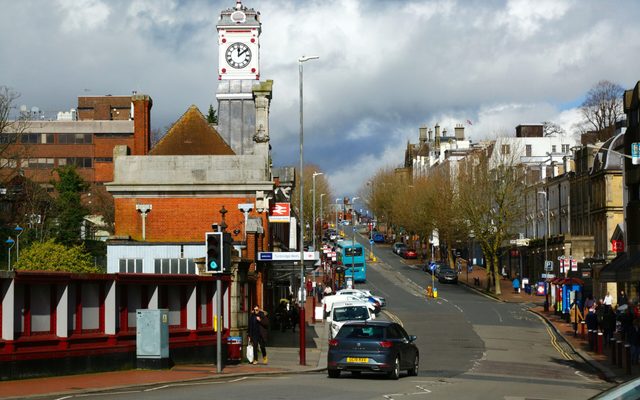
(29, 138)
(7, 138)
(350, 251)
(75, 138)
(40, 163)
(130, 266)
(46, 138)
(79, 162)
(103, 159)
(553, 148)
(174, 266)
(527, 150)
(565, 148)
(505, 149)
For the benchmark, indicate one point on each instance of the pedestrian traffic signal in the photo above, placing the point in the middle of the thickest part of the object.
(215, 253)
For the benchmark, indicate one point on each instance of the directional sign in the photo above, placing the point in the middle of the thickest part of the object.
(548, 265)
(370, 241)
(286, 256)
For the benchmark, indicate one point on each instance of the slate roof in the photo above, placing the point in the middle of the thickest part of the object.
(191, 134)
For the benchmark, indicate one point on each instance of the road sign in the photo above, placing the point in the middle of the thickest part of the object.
(548, 276)
(548, 265)
(370, 241)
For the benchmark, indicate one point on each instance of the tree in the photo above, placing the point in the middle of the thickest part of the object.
(212, 117)
(69, 209)
(52, 256)
(10, 133)
(552, 129)
(491, 186)
(602, 106)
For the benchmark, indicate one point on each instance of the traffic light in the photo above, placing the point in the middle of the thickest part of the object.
(215, 252)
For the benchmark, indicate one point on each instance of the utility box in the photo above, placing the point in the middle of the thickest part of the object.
(152, 338)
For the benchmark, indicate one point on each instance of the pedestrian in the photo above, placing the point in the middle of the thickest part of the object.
(588, 303)
(622, 298)
(591, 319)
(327, 290)
(575, 316)
(309, 287)
(634, 341)
(516, 285)
(608, 325)
(504, 272)
(607, 301)
(294, 316)
(258, 330)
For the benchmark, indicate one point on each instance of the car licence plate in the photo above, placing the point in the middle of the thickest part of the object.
(357, 360)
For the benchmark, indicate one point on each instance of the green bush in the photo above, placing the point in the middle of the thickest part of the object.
(52, 256)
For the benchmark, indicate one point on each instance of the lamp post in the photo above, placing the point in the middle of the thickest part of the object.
(337, 200)
(314, 208)
(303, 356)
(353, 243)
(546, 248)
(472, 235)
(321, 196)
(19, 230)
(10, 242)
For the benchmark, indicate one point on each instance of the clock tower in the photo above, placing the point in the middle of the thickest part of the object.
(239, 30)
(239, 43)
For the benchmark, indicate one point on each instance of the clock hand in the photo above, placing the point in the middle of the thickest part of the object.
(242, 52)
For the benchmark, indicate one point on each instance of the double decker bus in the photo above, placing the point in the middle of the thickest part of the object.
(352, 258)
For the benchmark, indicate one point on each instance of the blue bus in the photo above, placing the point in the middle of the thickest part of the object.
(352, 258)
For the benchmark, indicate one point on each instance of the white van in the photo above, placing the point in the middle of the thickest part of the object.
(329, 301)
(345, 311)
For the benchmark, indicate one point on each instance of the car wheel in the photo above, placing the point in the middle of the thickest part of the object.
(395, 372)
(416, 364)
(334, 373)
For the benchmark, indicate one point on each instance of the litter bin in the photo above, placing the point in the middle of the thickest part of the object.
(527, 288)
(234, 348)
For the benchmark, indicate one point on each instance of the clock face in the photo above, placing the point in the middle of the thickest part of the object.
(238, 55)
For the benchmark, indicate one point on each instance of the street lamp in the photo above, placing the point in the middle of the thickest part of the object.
(303, 358)
(19, 230)
(314, 207)
(472, 236)
(10, 242)
(321, 196)
(353, 243)
(337, 200)
(546, 248)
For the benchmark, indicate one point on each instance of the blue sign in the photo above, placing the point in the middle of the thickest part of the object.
(370, 241)
(265, 256)
(432, 266)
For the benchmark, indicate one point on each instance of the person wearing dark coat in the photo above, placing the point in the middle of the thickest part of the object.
(622, 298)
(591, 320)
(608, 325)
(258, 333)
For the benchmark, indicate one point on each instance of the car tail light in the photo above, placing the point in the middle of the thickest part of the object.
(386, 344)
(333, 343)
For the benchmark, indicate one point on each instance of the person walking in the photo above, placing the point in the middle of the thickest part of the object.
(258, 324)
(294, 316)
(607, 301)
(516, 285)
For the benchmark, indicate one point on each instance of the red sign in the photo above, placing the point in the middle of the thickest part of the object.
(617, 246)
(280, 212)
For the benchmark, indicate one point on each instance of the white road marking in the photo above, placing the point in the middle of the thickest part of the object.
(392, 396)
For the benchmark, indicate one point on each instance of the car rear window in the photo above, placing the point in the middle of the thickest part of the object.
(350, 313)
(361, 332)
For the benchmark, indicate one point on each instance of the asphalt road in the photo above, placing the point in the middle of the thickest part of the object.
(471, 347)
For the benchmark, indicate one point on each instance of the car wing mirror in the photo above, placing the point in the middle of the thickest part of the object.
(412, 338)
(329, 319)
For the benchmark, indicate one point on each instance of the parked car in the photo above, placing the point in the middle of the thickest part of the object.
(329, 301)
(397, 247)
(378, 237)
(445, 274)
(373, 346)
(408, 253)
(365, 294)
(346, 311)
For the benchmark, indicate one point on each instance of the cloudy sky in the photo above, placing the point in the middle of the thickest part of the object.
(386, 67)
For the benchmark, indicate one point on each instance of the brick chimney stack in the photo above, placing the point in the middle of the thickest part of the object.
(459, 132)
(142, 104)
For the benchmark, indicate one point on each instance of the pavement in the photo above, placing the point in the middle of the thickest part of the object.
(283, 354)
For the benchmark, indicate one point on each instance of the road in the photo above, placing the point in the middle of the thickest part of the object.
(471, 346)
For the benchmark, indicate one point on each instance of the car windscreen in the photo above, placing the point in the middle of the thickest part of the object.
(350, 313)
(361, 332)
(350, 251)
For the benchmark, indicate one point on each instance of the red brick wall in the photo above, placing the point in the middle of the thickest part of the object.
(182, 219)
(142, 124)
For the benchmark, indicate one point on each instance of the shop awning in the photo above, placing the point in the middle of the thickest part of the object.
(619, 269)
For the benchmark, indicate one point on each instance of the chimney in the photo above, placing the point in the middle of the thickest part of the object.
(459, 132)
(142, 104)
(430, 135)
(437, 136)
(423, 134)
